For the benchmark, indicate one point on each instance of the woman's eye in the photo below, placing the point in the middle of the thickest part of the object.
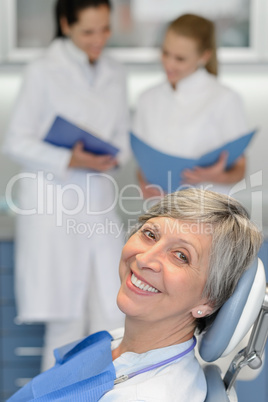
(148, 233)
(182, 256)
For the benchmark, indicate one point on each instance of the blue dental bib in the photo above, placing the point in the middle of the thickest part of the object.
(83, 371)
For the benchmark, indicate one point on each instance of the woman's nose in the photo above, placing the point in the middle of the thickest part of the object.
(150, 258)
(169, 63)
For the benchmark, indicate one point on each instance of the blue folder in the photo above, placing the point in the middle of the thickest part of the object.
(66, 134)
(165, 170)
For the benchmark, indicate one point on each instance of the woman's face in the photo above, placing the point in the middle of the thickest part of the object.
(91, 31)
(181, 57)
(163, 271)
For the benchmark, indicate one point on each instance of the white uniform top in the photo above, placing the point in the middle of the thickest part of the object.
(180, 381)
(53, 260)
(198, 116)
(62, 82)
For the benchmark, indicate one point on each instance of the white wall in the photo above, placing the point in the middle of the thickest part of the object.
(253, 88)
(250, 81)
(10, 80)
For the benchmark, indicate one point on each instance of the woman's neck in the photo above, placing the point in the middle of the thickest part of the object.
(185, 79)
(140, 336)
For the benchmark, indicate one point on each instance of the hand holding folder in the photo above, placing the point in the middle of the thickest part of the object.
(165, 170)
(212, 174)
(82, 159)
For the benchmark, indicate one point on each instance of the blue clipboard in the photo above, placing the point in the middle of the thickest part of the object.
(65, 134)
(165, 170)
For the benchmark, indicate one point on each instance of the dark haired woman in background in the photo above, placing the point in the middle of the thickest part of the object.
(66, 250)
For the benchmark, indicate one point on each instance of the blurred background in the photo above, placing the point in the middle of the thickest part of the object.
(26, 28)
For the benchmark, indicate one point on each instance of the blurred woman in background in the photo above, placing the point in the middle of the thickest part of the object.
(191, 113)
(66, 252)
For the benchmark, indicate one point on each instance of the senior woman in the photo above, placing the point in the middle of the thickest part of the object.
(180, 264)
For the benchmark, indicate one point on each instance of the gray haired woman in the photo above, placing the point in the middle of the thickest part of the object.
(235, 239)
(180, 264)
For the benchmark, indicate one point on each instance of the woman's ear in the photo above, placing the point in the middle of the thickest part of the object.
(205, 57)
(65, 27)
(202, 310)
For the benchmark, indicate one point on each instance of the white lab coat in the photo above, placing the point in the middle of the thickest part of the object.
(198, 116)
(61, 257)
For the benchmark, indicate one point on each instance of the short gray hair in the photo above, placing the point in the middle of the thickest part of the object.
(235, 239)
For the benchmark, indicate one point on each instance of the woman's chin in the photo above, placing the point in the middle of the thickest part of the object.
(126, 304)
(173, 81)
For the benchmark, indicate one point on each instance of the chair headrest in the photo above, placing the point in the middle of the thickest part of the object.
(236, 316)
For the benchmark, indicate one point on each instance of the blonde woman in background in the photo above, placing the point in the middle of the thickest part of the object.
(192, 113)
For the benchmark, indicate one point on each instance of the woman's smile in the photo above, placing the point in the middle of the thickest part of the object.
(140, 286)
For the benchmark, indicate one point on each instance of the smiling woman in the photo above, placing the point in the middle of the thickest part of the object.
(180, 264)
(89, 31)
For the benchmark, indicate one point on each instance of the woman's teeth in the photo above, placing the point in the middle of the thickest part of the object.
(141, 285)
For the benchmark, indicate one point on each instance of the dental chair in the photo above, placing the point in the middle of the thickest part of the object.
(245, 312)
